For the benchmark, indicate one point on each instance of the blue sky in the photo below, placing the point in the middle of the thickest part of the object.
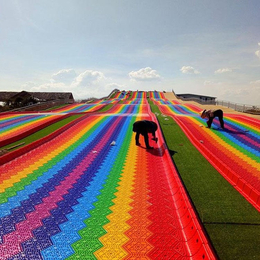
(90, 47)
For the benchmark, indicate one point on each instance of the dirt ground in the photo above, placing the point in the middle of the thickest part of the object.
(170, 96)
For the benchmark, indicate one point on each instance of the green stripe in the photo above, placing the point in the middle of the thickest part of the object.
(233, 144)
(23, 124)
(93, 232)
(243, 125)
(12, 191)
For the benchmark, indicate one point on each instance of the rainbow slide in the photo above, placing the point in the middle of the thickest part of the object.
(90, 193)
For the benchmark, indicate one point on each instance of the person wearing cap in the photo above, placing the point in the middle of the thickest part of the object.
(144, 127)
(211, 114)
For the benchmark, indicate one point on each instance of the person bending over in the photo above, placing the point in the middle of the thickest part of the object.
(144, 127)
(211, 114)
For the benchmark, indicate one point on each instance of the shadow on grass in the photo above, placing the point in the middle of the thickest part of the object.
(172, 153)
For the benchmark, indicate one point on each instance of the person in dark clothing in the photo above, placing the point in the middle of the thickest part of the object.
(211, 114)
(144, 127)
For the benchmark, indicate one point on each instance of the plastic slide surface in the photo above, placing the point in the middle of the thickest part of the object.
(91, 193)
(14, 126)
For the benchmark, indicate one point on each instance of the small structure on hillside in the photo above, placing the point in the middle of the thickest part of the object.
(197, 98)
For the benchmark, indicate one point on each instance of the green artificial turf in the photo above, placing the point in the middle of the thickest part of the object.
(235, 241)
(105, 108)
(55, 107)
(232, 223)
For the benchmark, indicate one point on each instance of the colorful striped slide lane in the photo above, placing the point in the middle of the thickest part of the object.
(139, 95)
(136, 101)
(12, 125)
(244, 121)
(79, 197)
(11, 122)
(235, 151)
(131, 107)
(105, 101)
(65, 109)
(157, 95)
(121, 95)
(175, 102)
(123, 109)
(177, 109)
(161, 102)
(42, 202)
(118, 95)
(108, 101)
(80, 108)
(10, 118)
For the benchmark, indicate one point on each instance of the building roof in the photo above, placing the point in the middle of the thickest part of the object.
(7, 95)
(195, 96)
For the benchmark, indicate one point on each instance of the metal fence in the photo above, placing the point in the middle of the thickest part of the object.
(200, 101)
(238, 107)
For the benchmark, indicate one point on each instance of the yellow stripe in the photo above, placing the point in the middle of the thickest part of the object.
(26, 125)
(217, 139)
(35, 165)
(10, 117)
(115, 238)
(246, 125)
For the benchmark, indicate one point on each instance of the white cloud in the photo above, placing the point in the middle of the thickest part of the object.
(189, 70)
(65, 75)
(211, 83)
(28, 85)
(144, 74)
(257, 53)
(224, 70)
(51, 87)
(88, 78)
(259, 43)
(240, 94)
(89, 83)
(256, 82)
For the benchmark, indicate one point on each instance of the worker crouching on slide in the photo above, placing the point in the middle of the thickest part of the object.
(211, 114)
(144, 127)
